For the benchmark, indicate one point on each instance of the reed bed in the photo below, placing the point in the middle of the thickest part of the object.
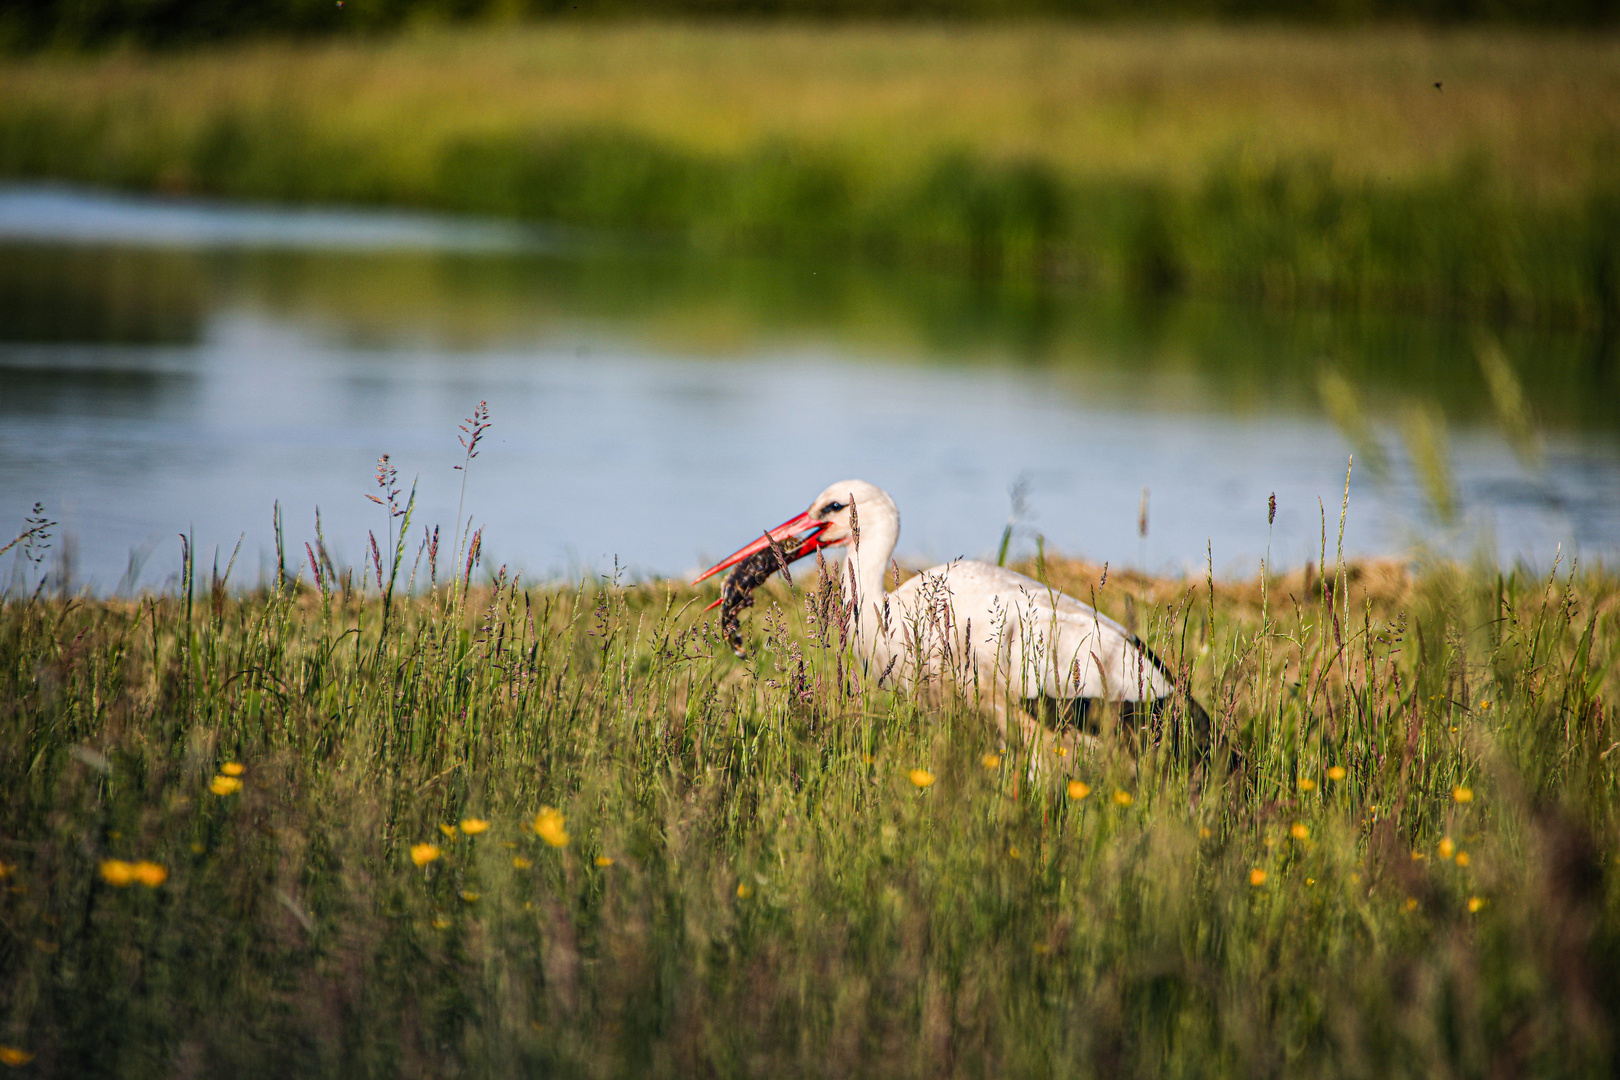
(339, 825)
(1466, 171)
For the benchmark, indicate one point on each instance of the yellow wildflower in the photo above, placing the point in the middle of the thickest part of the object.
(1014, 853)
(473, 826)
(1446, 848)
(1257, 877)
(232, 768)
(14, 1056)
(150, 874)
(1411, 903)
(1474, 904)
(1310, 881)
(990, 761)
(520, 863)
(603, 860)
(1307, 784)
(224, 785)
(469, 896)
(1335, 772)
(1418, 856)
(744, 890)
(441, 923)
(548, 826)
(448, 830)
(1299, 831)
(1122, 797)
(118, 873)
(1462, 858)
(1061, 751)
(1203, 832)
(1462, 794)
(1078, 789)
(921, 777)
(422, 854)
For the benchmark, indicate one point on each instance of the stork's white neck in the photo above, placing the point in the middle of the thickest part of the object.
(867, 560)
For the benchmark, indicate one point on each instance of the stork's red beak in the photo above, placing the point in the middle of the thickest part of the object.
(804, 526)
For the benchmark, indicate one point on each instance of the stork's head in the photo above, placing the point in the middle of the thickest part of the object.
(832, 521)
(849, 505)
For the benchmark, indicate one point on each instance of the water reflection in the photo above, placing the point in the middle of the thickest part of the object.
(656, 406)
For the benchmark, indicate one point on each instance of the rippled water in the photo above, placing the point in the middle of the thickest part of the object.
(183, 366)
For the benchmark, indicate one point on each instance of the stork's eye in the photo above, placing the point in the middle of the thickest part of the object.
(831, 508)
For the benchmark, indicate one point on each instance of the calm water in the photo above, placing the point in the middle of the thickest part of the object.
(182, 366)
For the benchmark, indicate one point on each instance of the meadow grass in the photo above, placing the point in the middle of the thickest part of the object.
(245, 833)
(1293, 164)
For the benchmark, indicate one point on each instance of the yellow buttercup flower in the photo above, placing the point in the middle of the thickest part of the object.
(448, 830)
(150, 874)
(232, 768)
(921, 777)
(548, 826)
(1299, 831)
(14, 1056)
(1122, 797)
(1310, 881)
(1061, 751)
(603, 860)
(1411, 903)
(1462, 858)
(1203, 832)
(422, 854)
(118, 873)
(1462, 794)
(744, 890)
(1078, 789)
(1307, 784)
(469, 896)
(1335, 772)
(990, 761)
(1446, 848)
(441, 923)
(520, 863)
(1474, 904)
(224, 785)
(473, 826)
(1257, 877)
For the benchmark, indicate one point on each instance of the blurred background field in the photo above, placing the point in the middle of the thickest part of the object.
(1464, 170)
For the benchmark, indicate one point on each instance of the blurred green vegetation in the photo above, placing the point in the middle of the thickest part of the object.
(1471, 173)
(1410, 875)
(32, 23)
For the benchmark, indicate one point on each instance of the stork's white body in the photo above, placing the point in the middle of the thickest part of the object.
(981, 625)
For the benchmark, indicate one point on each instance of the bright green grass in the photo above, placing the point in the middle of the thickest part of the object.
(1289, 164)
(782, 900)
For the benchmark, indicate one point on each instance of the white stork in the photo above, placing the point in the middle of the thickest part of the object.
(989, 631)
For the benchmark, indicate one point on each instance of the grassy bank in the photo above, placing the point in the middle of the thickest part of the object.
(246, 834)
(1287, 164)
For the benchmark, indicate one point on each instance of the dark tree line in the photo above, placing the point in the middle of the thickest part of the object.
(28, 24)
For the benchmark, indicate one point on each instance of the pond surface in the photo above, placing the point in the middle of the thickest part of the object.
(183, 366)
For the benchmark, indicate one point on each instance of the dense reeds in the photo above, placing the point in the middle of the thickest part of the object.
(310, 830)
(1390, 168)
